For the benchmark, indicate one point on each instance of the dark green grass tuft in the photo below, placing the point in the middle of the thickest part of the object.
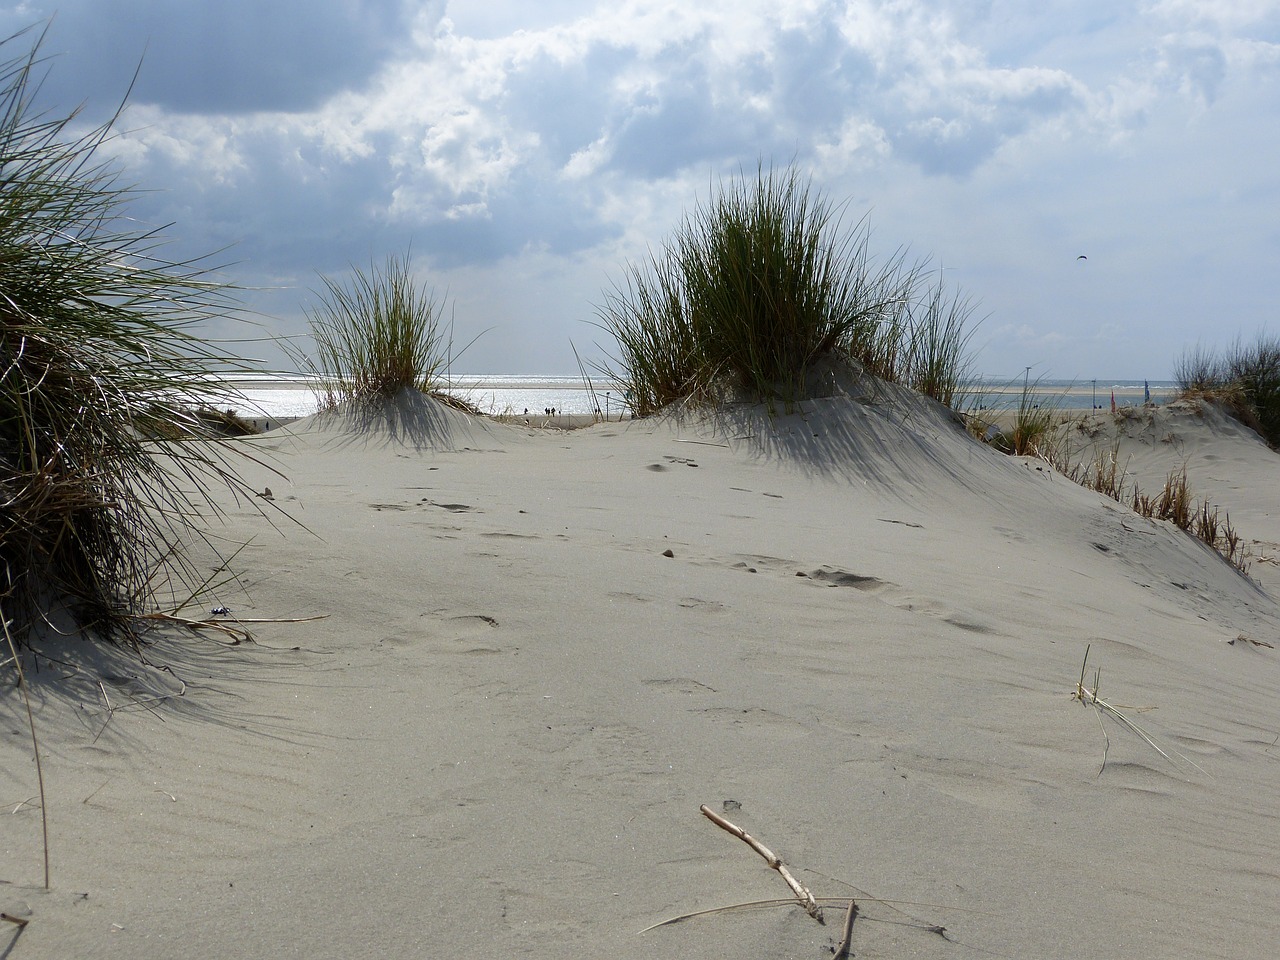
(98, 363)
(757, 287)
(1245, 379)
(377, 335)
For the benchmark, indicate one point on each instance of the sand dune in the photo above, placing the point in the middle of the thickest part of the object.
(1226, 463)
(853, 630)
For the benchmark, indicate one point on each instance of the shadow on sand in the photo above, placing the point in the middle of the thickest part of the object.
(412, 419)
(885, 436)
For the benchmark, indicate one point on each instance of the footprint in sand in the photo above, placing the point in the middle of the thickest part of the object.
(842, 578)
(463, 634)
(451, 507)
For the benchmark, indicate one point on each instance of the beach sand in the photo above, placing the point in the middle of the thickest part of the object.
(853, 631)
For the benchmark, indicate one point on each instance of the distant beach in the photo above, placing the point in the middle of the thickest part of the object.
(281, 399)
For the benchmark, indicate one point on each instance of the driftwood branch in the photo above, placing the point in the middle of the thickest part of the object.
(846, 941)
(801, 891)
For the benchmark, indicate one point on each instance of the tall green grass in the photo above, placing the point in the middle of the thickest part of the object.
(377, 334)
(1034, 424)
(934, 344)
(98, 356)
(756, 287)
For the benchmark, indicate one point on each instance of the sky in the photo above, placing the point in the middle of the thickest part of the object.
(524, 153)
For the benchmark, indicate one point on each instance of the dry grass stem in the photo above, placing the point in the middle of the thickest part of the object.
(801, 891)
(1242, 638)
(238, 636)
(791, 902)
(35, 749)
(1090, 696)
(144, 702)
(712, 911)
(842, 948)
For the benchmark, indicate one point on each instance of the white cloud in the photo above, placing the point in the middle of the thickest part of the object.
(1226, 15)
(571, 133)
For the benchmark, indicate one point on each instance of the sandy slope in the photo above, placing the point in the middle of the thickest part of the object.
(861, 647)
(1226, 463)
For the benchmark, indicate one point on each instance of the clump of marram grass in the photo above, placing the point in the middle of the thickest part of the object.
(1032, 431)
(1172, 503)
(1032, 427)
(1199, 370)
(98, 358)
(760, 286)
(1245, 379)
(377, 335)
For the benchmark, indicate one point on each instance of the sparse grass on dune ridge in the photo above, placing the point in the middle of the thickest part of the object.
(98, 360)
(1174, 502)
(759, 286)
(1245, 379)
(1031, 432)
(376, 335)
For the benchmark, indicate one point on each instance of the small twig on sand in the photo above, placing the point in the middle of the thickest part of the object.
(837, 901)
(20, 922)
(842, 949)
(711, 911)
(238, 636)
(801, 891)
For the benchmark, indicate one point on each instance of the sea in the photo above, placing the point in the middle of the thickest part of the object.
(285, 398)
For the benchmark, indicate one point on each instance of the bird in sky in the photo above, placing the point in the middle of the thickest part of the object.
(1082, 257)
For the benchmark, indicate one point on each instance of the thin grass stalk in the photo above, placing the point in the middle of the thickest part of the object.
(35, 743)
